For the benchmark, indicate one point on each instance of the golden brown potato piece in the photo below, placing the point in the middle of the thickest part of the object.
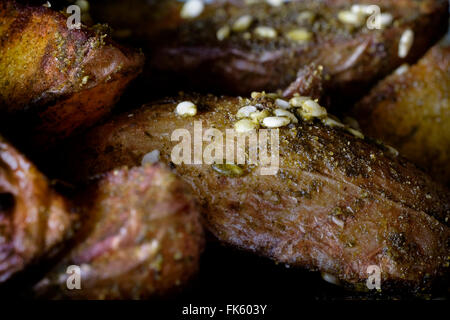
(33, 218)
(141, 238)
(411, 111)
(54, 80)
(338, 203)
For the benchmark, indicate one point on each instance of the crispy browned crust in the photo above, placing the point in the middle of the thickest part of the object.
(393, 215)
(55, 81)
(411, 111)
(33, 218)
(141, 238)
(354, 58)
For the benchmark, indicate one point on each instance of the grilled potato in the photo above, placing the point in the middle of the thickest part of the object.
(34, 220)
(141, 238)
(218, 51)
(411, 111)
(338, 203)
(53, 80)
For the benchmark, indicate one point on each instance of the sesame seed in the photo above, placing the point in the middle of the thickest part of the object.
(242, 23)
(402, 69)
(306, 17)
(151, 157)
(405, 43)
(361, 9)
(298, 101)
(223, 33)
(227, 169)
(338, 222)
(285, 113)
(311, 108)
(186, 109)
(349, 17)
(392, 151)
(332, 123)
(300, 35)
(245, 125)
(259, 116)
(386, 19)
(245, 112)
(356, 133)
(283, 104)
(192, 9)
(275, 122)
(266, 32)
(275, 3)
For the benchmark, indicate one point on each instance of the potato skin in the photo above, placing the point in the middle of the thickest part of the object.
(393, 215)
(354, 58)
(141, 238)
(33, 218)
(411, 111)
(55, 81)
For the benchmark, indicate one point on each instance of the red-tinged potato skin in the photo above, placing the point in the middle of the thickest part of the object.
(33, 218)
(338, 203)
(55, 81)
(141, 238)
(188, 50)
(411, 112)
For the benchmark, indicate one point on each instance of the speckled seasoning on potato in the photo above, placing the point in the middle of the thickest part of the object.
(338, 203)
(141, 238)
(55, 81)
(410, 110)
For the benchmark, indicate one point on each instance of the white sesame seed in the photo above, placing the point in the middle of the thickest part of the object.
(405, 43)
(300, 35)
(338, 222)
(258, 116)
(283, 104)
(245, 125)
(265, 32)
(305, 16)
(392, 151)
(48, 4)
(242, 23)
(297, 102)
(285, 113)
(349, 17)
(356, 133)
(186, 109)
(386, 19)
(361, 9)
(245, 112)
(275, 3)
(275, 122)
(151, 157)
(332, 123)
(223, 33)
(402, 69)
(192, 9)
(310, 108)
(330, 278)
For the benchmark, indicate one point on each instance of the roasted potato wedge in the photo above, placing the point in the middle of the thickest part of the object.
(218, 51)
(55, 81)
(34, 220)
(338, 203)
(410, 110)
(141, 238)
